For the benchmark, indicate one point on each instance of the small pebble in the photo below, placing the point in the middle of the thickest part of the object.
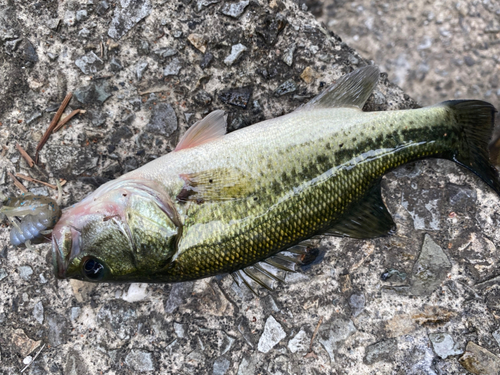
(236, 51)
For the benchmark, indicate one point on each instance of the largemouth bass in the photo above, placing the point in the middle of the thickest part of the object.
(220, 202)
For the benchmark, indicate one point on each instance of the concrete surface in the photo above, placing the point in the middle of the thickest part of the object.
(424, 301)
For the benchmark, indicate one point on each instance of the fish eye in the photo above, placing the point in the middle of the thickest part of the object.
(93, 269)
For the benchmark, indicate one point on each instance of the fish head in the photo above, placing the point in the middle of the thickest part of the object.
(125, 231)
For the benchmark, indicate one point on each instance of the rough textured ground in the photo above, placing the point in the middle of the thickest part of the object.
(434, 50)
(144, 71)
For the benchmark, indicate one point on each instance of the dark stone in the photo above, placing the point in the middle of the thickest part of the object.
(206, 60)
(126, 18)
(269, 72)
(271, 27)
(203, 98)
(286, 87)
(52, 107)
(163, 120)
(11, 45)
(178, 295)
(94, 181)
(123, 132)
(392, 272)
(115, 65)
(380, 351)
(143, 47)
(469, 61)
(238, 122)
(75, 364)
(239, 96)
(136, 104)
(3, 253)
(89, 63)
(102, 8)
(430, 269)
(119, 317)
(95, 93)
(29, 52)
(165, 52)
(97, 117)
(129, 164)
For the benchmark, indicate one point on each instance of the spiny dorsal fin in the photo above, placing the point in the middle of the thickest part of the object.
(210, 128)
(369, 218)
(351, 90)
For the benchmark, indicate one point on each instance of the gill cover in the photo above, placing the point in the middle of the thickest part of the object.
(124, 231)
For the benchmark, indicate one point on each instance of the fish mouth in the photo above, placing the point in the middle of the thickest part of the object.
(65, 247)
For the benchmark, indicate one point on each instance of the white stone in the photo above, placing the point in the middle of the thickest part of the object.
(236, 52)
(136, 292)
(273, 334)
(300, 343)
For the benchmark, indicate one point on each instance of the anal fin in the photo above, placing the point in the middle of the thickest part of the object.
(369, 218)
(269, 272)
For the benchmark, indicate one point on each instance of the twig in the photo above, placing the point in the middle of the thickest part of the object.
(25, 155)
(66, 119)
(153, 90)
(17, 183)
(31, 179)
(53, 124)
(314, 335)
(33, 360)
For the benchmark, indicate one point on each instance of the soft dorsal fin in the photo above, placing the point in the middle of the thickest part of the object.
(210, 128)
(351, 90)
(369, 218)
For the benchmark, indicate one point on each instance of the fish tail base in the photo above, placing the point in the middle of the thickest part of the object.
(475, 119)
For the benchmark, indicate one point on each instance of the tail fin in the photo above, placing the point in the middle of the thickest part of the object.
(495, 147)
(475, 119)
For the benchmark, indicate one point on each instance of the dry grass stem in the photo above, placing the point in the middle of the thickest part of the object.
(154, 90)
(31, 179)
(314, 336)
(25, 155)
(17, 183)
(53, 124)
(33, 360)
(65, 120)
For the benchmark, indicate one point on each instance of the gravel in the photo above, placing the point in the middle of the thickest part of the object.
(369, 301)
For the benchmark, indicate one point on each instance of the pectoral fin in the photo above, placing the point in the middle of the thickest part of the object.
(214, 185)
(369, 218)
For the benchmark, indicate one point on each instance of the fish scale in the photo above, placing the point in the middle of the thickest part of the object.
(222, 203)
(311, 212)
